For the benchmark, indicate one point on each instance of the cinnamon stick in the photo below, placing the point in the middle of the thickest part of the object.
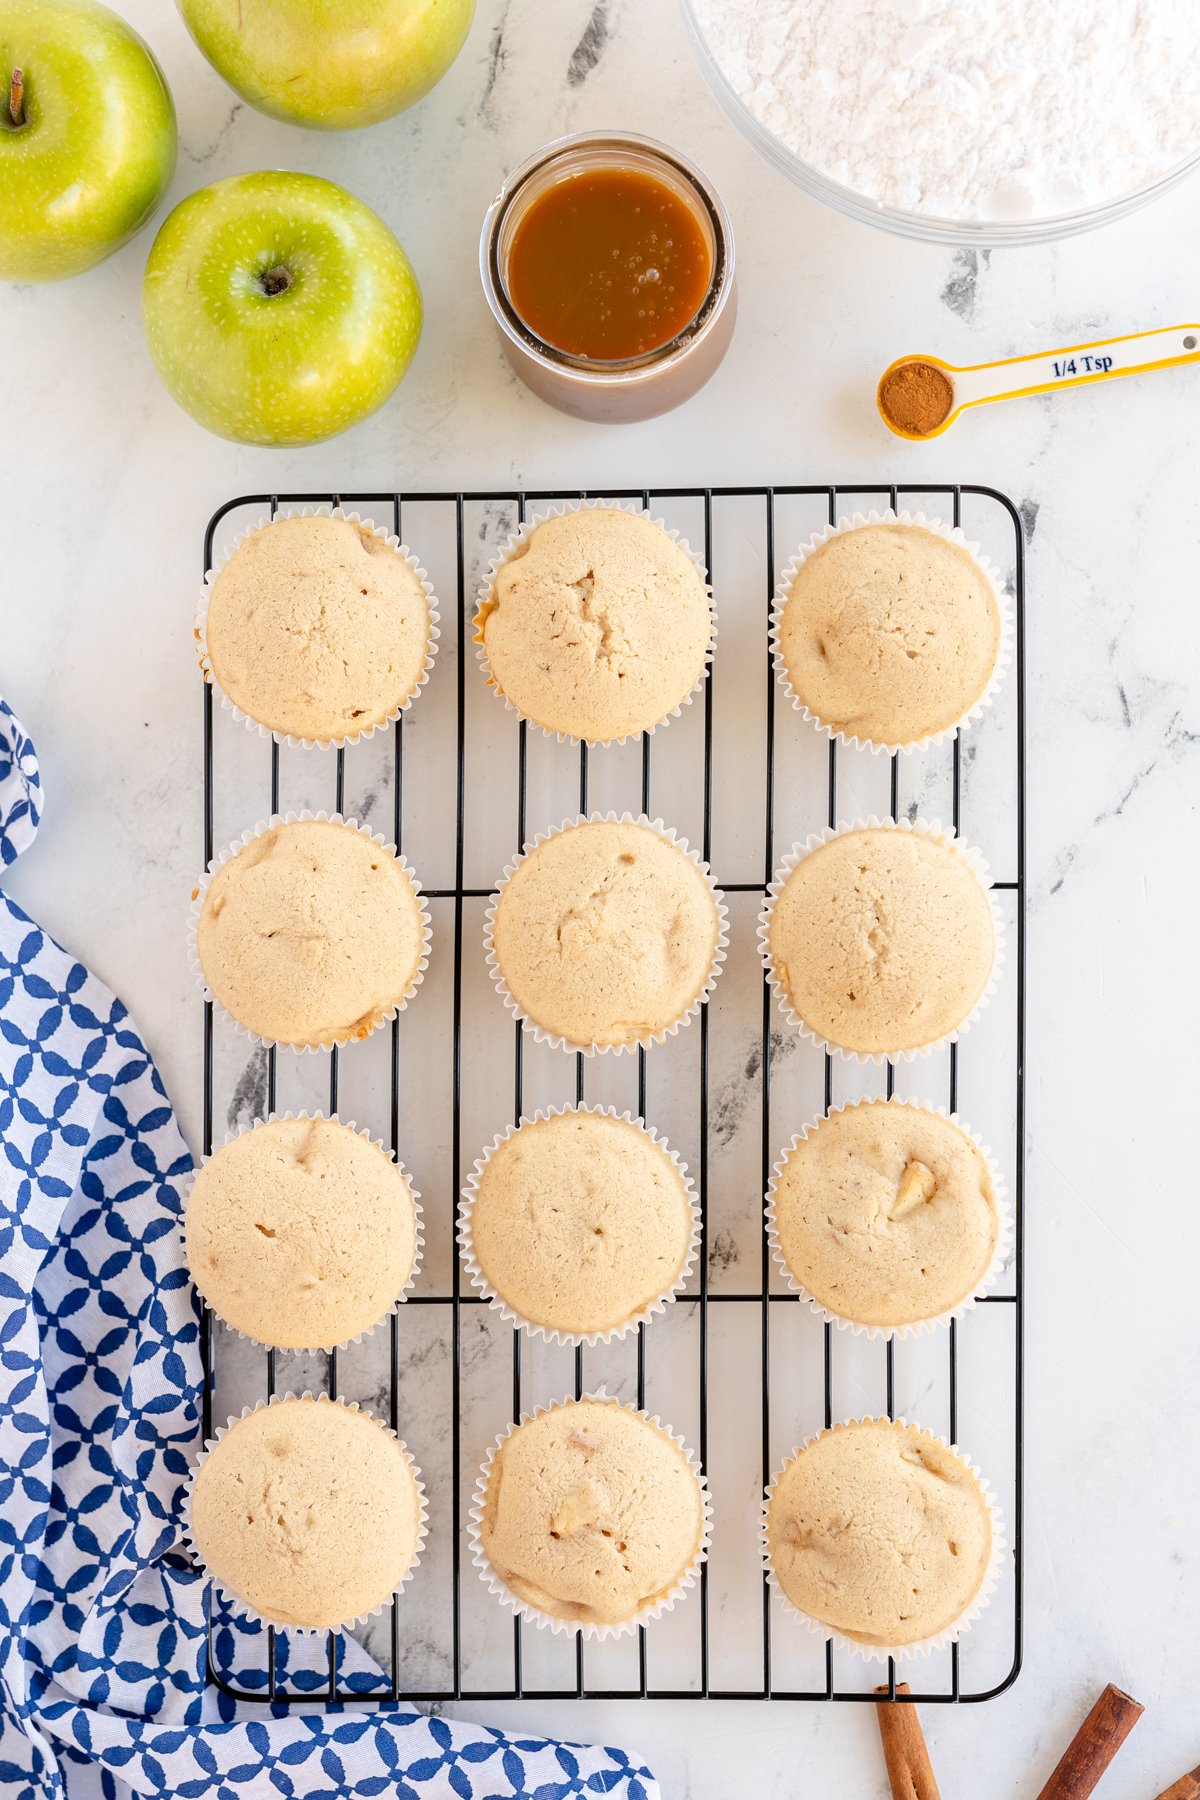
(1186, 1788)
(909, 1768)
(1093, 1747)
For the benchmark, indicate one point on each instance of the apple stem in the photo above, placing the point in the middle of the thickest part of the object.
(275, 281)
(16, 97)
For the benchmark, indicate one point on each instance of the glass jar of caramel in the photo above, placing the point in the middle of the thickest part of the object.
(607, 262)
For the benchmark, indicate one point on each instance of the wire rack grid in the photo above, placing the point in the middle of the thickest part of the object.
(738, 1364)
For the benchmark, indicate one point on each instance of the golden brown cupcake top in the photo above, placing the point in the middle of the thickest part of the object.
(880, 1532)
(591, 1512)
(890, 633)
(882, 940)
(580, 1221)
(597, 625)
(311, 933)
(308, 1511)
(886, 1213)
(317, 628)
(605, 933)
(301, 1233)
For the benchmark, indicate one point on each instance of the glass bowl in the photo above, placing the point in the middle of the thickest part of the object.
(982, 233)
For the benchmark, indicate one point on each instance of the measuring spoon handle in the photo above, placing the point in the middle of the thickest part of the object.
(1077, 365)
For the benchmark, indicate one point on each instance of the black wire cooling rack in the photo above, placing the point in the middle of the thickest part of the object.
(747, 1370)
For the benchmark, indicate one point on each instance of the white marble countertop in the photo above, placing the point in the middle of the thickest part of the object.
(106, 491)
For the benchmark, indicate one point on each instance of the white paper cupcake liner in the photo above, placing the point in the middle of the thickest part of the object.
(929, 828)
(953, 534)
(881, 1653)
(243, 1606)
(539, 1032)
(418, 1221)
(302, 818)
(287, 739)
(587, 1629)
(552, 1335)
(503, 554)
(917, 1327)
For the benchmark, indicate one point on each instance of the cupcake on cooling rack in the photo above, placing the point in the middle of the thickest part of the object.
(880, 1535)
(889, 632)
(887, 1215)
(589, 1516)
(307, 1513)
(318, 628)
(310, 933)
(302, 1233)
(595, 624)
(606, 934)
(879, 940)
(579, 1224)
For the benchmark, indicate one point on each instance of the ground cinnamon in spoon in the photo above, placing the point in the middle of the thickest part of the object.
(916, 397)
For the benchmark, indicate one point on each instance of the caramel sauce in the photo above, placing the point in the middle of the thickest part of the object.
(608, 264)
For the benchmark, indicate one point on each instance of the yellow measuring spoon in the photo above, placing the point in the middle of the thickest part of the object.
(919, 397)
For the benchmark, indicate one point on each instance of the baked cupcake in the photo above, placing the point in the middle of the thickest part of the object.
(301, 1233)
(596, 624)
(311, 932)
(308, 1512)
(606, 934)
(888, 633)
(881, 1535)
(578, 1224)
(886, 1215)
(879, 939)
(318, 628)
(589, 1516)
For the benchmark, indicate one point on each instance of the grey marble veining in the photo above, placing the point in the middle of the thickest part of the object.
(106, 491)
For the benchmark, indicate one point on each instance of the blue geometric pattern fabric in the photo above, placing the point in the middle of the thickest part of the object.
(20, 788)
(102, 1616)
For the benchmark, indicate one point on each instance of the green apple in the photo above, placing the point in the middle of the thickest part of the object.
(330, 63)
(87, 136)
(278, 308)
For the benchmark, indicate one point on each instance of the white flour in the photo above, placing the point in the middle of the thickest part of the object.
(970, 109)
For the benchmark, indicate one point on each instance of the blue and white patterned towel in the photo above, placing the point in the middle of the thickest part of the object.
(102, 1617)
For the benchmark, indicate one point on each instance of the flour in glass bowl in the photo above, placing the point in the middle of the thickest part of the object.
(970, 110)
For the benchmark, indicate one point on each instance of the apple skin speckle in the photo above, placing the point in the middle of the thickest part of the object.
(292, 366)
